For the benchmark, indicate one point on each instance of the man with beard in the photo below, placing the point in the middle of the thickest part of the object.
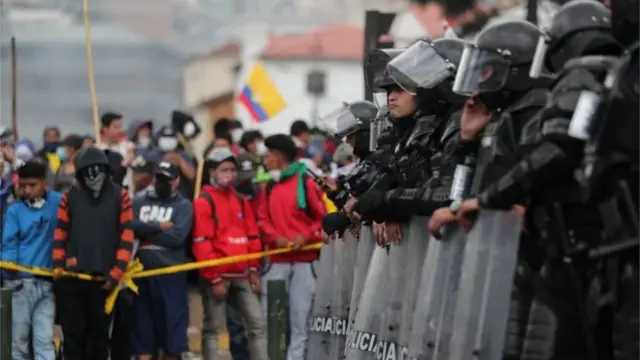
(92, 237)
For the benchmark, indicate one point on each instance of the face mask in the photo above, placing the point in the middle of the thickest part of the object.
(143, 142)
(93, 178)
(261, 149)
(162, 187)
(236, 135)
(189, 129)
(50, 147)
(62, 155)
(275, 174)
(225, 180)
(167, 143)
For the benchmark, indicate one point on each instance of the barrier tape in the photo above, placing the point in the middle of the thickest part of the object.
(135, 270)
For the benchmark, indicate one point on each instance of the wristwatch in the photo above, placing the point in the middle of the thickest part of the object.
(455, 206)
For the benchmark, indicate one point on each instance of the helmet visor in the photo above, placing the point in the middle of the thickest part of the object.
(481, 71)
(380, 99)
(420, 66)
(340, 122)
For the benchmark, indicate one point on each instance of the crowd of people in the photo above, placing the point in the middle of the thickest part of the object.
(78, 205)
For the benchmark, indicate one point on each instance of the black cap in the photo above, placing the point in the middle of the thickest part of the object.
(168, 169)
(142, 164)
(166, 131)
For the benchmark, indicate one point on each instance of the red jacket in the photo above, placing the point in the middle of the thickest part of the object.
(279, 215)
(234, 233)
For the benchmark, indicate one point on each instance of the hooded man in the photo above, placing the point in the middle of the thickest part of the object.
(140, 132)
(92, 237)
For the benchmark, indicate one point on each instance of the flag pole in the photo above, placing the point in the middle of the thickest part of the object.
(90, 75)
(14, 91)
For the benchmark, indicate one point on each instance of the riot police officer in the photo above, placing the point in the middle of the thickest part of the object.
(494, 72)
(563, 323)
(429, 67)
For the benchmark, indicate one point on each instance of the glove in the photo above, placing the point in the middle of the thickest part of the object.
(371, 204)
(335, 222)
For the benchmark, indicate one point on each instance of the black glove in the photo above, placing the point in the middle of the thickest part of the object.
(371, 204)
(335, 222)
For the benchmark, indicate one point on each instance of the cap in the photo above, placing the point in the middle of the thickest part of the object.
(166, 131)
(167, 169)
(142, 164)
(248, 166)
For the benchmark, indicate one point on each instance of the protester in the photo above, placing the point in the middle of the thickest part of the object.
(345, 160)
(48, 153)
(163, 220)
(27, 239)
(140, 133)
(249, 163)
(111, 133)
(301, 134)
(24, 151)
(290, 214)
(64, 178)
(224, 225)
(88, 141)
(168, 150)
(92, 237)
(143, 168)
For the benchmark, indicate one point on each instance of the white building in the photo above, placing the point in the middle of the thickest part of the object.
(335, 50)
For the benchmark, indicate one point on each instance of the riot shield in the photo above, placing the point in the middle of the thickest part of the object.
(486, 282)
(366, 243)
(405, 265)
(433, 316)
(319, 337)
(344, 257)
(362, 340)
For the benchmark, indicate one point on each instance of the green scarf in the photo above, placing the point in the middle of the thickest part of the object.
(297, 168)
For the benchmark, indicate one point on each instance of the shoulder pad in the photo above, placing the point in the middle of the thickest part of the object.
(535, 97)
(452, 126)
(424, 125)
(591, 63)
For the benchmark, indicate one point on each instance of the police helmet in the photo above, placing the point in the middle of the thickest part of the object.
(499, 59)
(375, 73)
(578, 28)
(624, 21)
(349, 118)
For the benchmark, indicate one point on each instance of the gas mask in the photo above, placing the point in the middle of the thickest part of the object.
(93, 178)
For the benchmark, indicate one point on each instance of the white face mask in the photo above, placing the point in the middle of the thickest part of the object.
(189, 129)
(167, 143)
(236, 135)
(261, 149)
(144, 141)
(275, 174)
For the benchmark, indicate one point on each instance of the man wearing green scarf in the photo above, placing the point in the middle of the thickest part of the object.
(290, 215)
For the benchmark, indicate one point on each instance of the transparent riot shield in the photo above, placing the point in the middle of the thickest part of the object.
(486, 282)
(344, 257)
(433, 316)
(405, 265)
(366, 244)
(319, 337)
(362, 340)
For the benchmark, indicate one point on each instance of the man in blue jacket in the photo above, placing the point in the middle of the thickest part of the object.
(27, 239)
(162, 222)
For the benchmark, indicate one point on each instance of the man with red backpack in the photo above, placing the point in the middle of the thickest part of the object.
(224, 225)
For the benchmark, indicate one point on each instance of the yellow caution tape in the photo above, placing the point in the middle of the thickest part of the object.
(136, 270)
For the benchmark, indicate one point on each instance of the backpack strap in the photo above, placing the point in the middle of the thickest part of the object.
(207, 197)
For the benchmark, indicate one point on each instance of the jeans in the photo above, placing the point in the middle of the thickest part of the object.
(238, 343)
(33, 317)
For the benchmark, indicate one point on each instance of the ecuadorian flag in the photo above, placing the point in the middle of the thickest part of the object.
(260, 96)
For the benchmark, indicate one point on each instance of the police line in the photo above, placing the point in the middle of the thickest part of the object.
(136, 270)
(405, 301)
